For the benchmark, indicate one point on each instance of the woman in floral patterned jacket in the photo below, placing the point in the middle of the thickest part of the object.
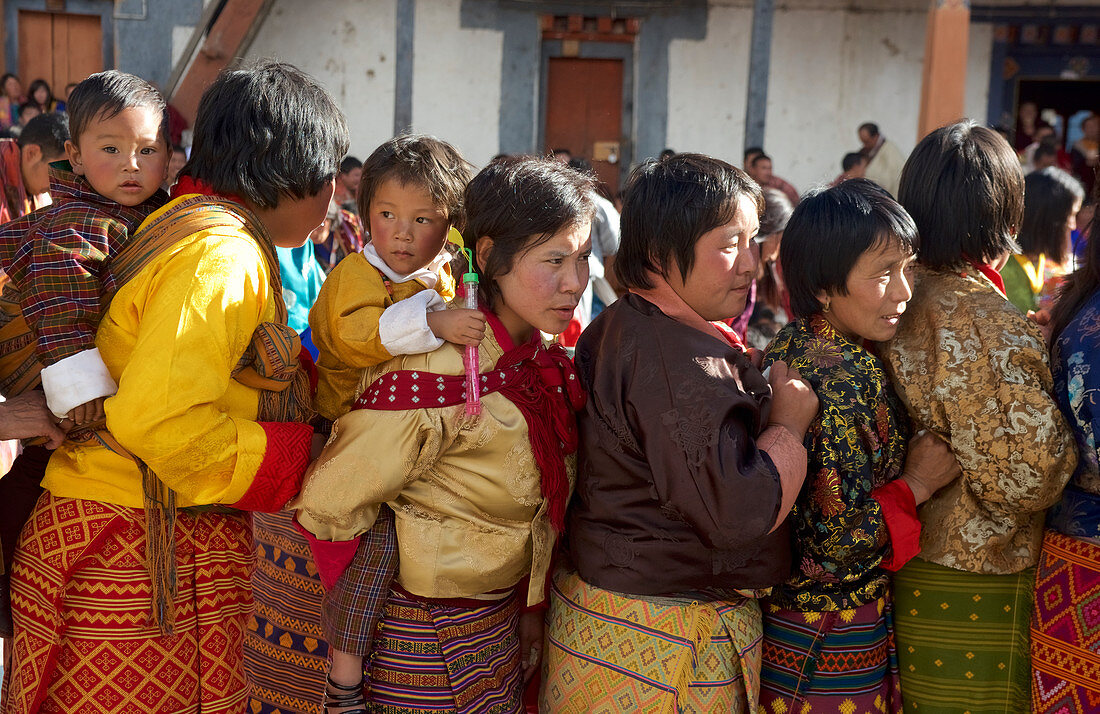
(970, 367)
(828, 630)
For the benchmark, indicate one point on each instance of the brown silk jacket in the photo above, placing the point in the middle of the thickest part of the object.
(673, 496)
(972, 368)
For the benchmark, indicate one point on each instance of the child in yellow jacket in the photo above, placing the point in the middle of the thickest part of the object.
(385, 301)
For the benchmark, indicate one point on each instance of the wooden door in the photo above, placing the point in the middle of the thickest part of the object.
(59, 48)
(584, 111)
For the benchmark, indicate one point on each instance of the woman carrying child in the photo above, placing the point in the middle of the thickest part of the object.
(387, 300)
(828, 630)
(478, 501)
(131, 584)
(689, 462)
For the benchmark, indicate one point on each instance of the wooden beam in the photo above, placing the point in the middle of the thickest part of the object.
(943, 84)
(226, 40)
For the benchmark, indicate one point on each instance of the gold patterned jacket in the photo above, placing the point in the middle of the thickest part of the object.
(970, 367)
(471, 518)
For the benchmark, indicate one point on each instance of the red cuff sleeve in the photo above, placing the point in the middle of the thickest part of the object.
(899, 512)
(332, 558)
(280, 474)
(305, 361)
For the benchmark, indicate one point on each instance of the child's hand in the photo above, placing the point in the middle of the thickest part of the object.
(88, 413)
(460, 327)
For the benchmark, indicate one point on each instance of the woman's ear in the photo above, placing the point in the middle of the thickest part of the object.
(482, 250)
(823, 300)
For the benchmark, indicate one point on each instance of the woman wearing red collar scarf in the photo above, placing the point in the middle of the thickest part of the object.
(688, 465)
(970, 367)
(479, 503)
(131, 582)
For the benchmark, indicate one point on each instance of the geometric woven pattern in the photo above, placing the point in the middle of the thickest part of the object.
(1065, 627)
(842, 661)
(609, 653)
(81, 596)
(285, 652)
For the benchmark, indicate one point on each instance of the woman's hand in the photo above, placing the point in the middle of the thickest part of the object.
(929, 466)
(530, 642)
(794, 404)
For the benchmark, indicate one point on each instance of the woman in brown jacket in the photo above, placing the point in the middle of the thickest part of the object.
(688, 464)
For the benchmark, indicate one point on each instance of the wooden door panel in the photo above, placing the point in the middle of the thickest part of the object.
(35, 47)
(584, 104)
(84, 45)
(59, 47)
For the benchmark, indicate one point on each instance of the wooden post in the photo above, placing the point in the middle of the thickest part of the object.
(227, 37)
(760, 53)
(943, 84)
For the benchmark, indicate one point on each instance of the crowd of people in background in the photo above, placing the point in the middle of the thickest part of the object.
(405, 435)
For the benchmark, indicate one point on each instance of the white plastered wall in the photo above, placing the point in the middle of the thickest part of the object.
(456, 81)
(831, 70)
(348, 46)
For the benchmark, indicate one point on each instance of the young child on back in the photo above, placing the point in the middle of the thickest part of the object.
(57, 258)
(385, 301)
(118, 156)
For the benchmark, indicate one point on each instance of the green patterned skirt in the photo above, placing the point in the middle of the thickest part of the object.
(963, 639)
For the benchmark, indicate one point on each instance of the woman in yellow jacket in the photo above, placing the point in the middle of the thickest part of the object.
(131, 584)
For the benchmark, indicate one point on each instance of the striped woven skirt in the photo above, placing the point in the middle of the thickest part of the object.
(81, 597)
(963, 639)
(437, 658)
(285, 655)
(612, 653)
(1065, 627)
(839, 661)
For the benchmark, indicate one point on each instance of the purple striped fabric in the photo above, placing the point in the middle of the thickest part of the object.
(439, 659)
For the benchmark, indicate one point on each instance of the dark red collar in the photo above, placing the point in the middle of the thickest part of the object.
(989, 272)
(186, 185)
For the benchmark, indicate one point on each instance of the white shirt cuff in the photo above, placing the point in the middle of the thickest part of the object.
(76, 380)
(403, 327)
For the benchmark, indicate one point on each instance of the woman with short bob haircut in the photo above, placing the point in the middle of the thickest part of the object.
(847, 252)
(688, 465)
(1052, 198)
(207, 424)
(972, 369)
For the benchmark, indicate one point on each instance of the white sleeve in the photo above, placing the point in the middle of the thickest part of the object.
(403, 327)
(76, 380)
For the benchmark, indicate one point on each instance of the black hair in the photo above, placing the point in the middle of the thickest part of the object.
(964, 188)
(667, 154)
(520, 202)
(1044, 149)
(1049, 196)
(27, 106)
(4, 80)
(870, 127)
(267, 131)
(828, 232)
(35, 86)
(851, 160)
(104, 95)
(777, 212)
(419, 160)
(1079, 286)
(350, 163)
(559, 150)
(579, 163)
(758, 158)
(751, 151)
(668, 205)
(49, 132)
